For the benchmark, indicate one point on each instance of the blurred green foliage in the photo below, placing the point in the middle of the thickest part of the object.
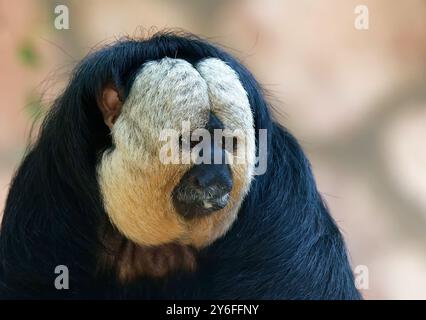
(28, 55)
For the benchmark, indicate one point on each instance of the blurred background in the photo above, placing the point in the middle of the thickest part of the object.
(355, 99)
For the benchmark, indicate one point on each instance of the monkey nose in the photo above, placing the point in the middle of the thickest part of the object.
(204, 189)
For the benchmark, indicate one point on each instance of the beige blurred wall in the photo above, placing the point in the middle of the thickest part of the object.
(356, 100)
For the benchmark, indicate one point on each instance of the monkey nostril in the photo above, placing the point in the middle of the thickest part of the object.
(193, 180)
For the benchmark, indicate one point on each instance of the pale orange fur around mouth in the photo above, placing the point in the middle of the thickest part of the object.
(165, 254)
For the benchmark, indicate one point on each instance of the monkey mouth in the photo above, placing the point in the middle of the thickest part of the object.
(218, 202)
(192, 202)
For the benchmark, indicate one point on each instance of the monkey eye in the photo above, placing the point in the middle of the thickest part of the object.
(192, 143)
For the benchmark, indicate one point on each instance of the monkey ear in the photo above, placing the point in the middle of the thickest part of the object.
(110, 105)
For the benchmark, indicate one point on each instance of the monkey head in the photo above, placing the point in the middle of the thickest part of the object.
(152, 202)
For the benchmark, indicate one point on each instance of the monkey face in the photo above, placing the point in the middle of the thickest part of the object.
(152, 201)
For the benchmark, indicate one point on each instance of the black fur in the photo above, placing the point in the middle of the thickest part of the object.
(284, 245)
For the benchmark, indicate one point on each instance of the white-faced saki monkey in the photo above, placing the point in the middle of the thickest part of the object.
(95, 197)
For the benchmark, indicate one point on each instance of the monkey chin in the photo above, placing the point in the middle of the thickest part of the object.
(144, 243)
(130, 261)
(156, 241)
